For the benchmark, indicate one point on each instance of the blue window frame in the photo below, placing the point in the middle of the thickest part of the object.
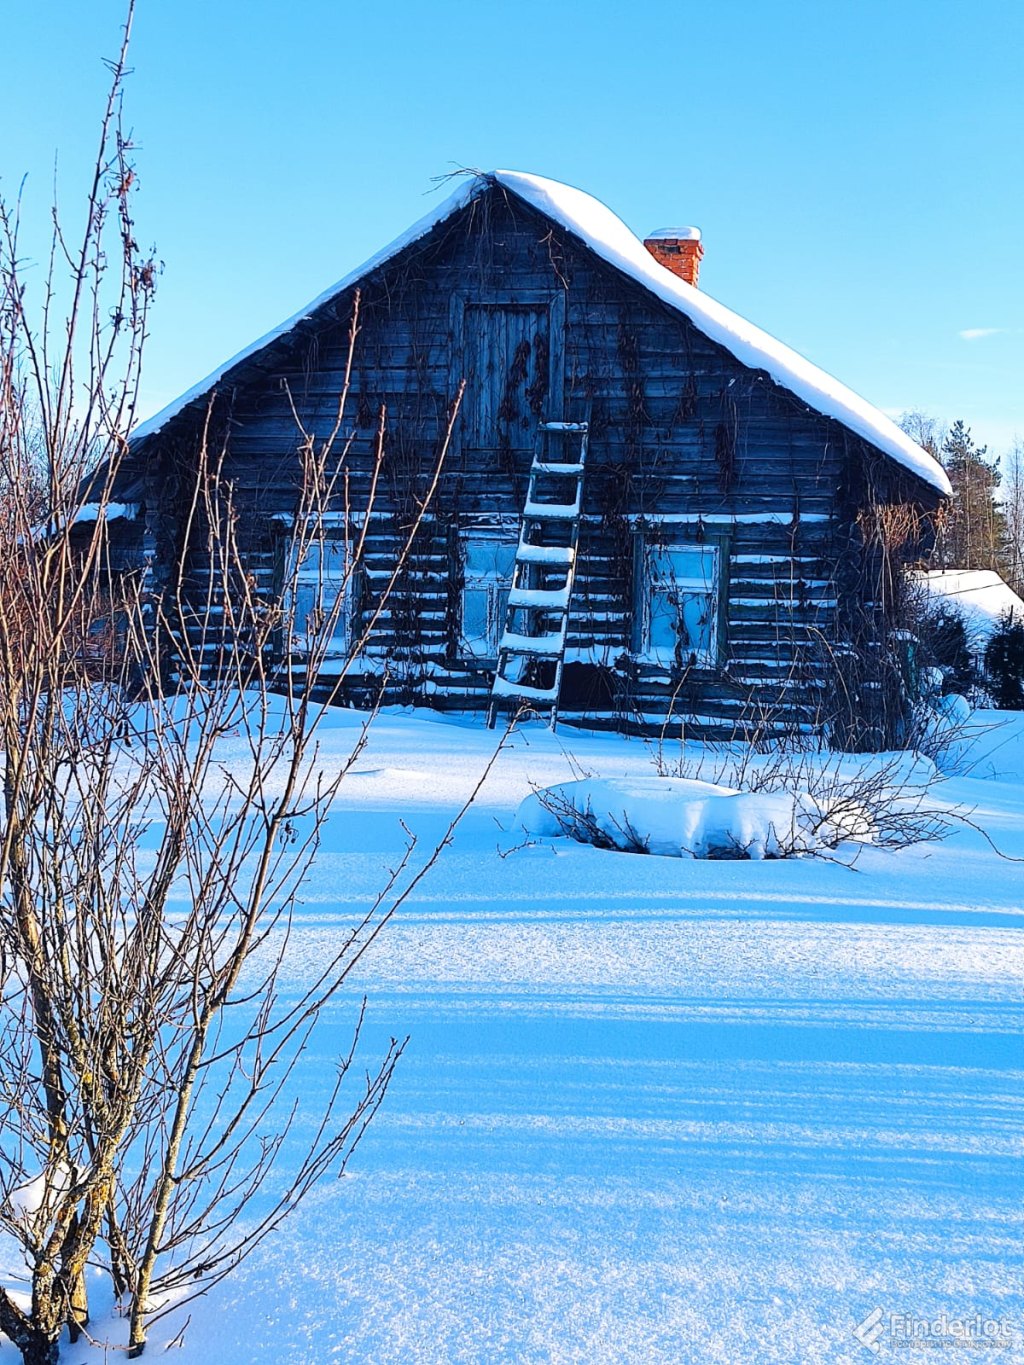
(322, 593)
(679, 600)
(487, 565)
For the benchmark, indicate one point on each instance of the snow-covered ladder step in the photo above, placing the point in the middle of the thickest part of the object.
(551, 511)
(537, 616)
(549, 644)
(545, 554)
(540, 599)
(504, 688)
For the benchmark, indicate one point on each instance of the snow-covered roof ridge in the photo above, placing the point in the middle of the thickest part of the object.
(609, 237)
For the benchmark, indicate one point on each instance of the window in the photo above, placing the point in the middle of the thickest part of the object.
(487, 563)
(322, 593)
(677, 613)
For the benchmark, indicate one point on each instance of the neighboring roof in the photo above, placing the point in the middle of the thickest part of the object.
(86, 512)
(980, 596)
(608, 237)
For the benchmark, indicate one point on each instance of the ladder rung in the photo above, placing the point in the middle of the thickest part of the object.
(564, 426)
(544, 599)
(545, 511)
(545, 554)
(533, 644)
(546, 467)
(504, 688)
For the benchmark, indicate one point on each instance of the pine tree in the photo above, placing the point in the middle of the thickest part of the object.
(974, 535)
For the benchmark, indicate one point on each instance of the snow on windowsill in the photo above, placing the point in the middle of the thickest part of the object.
(662, 658)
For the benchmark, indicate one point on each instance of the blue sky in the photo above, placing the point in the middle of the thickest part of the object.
(855, 166)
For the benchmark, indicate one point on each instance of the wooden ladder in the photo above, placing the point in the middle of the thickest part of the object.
(531, 653)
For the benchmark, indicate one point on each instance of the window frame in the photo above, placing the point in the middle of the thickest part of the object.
(651, 539)
(290, 580)
(501, 533)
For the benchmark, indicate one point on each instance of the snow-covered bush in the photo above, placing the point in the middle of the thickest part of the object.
(795, 806)
(946, 647)
(674, 817)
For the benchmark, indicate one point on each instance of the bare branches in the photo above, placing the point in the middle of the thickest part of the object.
(155, 838)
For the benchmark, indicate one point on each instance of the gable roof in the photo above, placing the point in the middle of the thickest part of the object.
(609, 238)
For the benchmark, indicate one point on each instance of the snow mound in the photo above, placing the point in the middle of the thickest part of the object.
(686, 818)
(946, 728)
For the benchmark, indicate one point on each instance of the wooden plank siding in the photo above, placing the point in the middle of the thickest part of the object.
(683, 438)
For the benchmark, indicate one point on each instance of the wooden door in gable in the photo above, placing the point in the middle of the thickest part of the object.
(510, 355)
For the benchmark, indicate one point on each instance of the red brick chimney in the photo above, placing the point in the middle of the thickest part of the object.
(679, 250)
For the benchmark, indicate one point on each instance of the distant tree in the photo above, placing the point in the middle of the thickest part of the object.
(1004, 664)
(986, 528)
(1013, 510)
(927, 431)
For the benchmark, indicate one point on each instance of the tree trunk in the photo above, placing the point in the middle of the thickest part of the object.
(39, 1350)
(78, 1302)
(37, 1347)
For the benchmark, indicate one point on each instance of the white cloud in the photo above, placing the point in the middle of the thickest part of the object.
(976, 333)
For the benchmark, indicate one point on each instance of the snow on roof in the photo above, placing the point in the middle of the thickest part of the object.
(467, 191)
(980, 595)
(86, 512)
(609, 237)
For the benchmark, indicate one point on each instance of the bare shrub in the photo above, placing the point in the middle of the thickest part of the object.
(884, 800)
(887, 800)
(148, 886)
(581, 825)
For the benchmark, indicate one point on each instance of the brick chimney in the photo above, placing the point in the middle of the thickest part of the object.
(679, 250)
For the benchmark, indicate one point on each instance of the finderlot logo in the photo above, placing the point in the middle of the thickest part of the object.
(869, 1331)
(907, 1330)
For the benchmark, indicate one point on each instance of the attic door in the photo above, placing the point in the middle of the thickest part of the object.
(510, 354)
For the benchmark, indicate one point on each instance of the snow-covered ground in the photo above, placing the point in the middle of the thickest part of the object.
(652, 1109)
